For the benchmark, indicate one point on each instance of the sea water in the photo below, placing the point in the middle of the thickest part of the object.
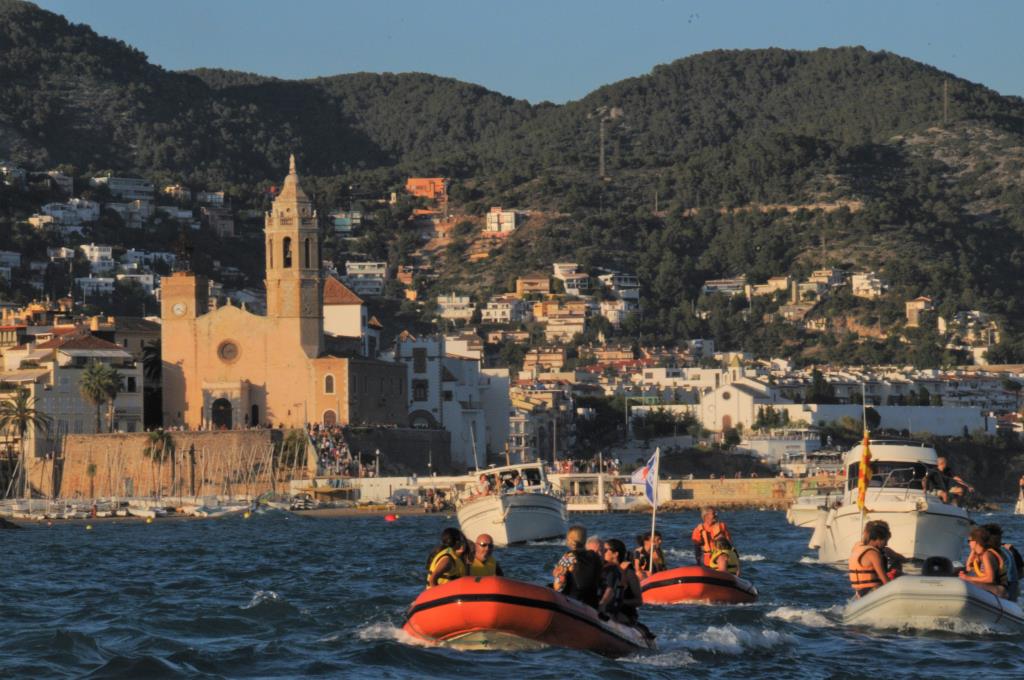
(280, 595)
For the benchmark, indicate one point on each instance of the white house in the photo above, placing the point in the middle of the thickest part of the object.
(506, 309)
(128, 188)
(95, 285)
(366, 278)
(456, 307)
(866, 285)
(101, 258)
(346, 316)
(453, 393)
(501, 221)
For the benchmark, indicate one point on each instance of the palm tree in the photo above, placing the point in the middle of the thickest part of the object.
(159, 448)
(113, 389)
(19, 414)
(96, 384)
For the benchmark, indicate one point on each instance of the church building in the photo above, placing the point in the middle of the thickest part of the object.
(229, 368)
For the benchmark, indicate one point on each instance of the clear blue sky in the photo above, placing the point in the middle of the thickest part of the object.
(555, 50)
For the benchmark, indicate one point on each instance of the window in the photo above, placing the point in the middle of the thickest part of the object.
(270, 253)
(305, 254)
(286, 253)
(447, 395)
(419, 390)
(131, 384)
(328, 384)
(419, 360)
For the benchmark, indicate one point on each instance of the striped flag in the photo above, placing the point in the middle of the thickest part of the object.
(648, 476)
(863, 472)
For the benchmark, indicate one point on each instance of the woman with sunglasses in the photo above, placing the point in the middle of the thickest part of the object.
(483, 563)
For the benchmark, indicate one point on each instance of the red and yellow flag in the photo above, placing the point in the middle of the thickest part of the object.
(863, 472)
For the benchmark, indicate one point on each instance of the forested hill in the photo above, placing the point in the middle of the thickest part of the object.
(69, 95)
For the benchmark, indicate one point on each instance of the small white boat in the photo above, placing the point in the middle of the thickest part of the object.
(803, 512)
(536, 513)
(934, 602)
(136, 511)
(922, 525)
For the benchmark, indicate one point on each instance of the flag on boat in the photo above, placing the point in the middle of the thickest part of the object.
(863, 472)
(648, 476)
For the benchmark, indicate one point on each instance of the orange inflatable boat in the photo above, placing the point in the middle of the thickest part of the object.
(491, 612)
(696, 584)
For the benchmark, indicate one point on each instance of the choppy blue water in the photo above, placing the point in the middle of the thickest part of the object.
(281, 595)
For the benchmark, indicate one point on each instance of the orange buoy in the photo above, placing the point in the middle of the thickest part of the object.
(390, 518)
(696, 584)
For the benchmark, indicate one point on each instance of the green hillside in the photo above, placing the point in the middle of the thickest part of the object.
(711, 137)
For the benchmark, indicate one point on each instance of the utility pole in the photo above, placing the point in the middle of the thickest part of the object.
(945, 102)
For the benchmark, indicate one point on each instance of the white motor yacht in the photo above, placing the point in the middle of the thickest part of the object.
(534, 513)
(922, 525)
(804, 511)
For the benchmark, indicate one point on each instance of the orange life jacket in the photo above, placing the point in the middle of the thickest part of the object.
(863, 580)
(978, 567)
(706, 538)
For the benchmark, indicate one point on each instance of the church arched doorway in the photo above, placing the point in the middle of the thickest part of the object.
(330, 418)
(220, 414)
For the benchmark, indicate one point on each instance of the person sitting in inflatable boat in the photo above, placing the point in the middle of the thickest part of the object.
(985, 566)
(867, 566)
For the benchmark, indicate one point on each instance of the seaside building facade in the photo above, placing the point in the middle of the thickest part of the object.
(227, 368)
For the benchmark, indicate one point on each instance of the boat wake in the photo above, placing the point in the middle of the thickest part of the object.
(815, 618)
(729, 639)
(382, 631)
(754, 557)
(262, 596)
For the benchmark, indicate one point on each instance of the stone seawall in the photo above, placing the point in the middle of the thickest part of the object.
(204, 463)
(768, 492)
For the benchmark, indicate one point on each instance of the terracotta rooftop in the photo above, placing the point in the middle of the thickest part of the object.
(337, 293)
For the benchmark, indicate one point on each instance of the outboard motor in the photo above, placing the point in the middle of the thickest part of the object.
(937, 566)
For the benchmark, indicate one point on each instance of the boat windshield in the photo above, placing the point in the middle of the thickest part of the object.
(891, 475)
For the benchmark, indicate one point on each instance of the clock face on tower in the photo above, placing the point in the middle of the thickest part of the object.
(179, 309)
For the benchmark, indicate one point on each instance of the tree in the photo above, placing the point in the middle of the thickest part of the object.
(17, 415)
(160, 447)
(820, 391)
(98, 382)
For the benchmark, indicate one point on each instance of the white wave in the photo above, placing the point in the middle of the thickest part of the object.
(729, 639)
(956, 626)
(668, 659)
(262, 596)
(753, 557)
(807, 617)
(807, 559)
(386, 631)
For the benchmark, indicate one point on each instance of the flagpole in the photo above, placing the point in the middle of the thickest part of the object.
(864, 469)
(654, 507)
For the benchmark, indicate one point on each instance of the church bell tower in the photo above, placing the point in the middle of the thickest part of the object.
(294, 284)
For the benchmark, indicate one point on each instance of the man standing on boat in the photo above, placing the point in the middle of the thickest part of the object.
(706, 533)
(947, 484)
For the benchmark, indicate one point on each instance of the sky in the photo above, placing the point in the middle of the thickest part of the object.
(548, 50)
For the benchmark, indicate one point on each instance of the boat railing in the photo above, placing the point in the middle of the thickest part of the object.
(907, 485)
(470, 494)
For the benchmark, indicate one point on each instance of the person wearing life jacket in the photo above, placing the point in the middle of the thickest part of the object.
(724, 557)
(578, 572)
(892, 560)
(483, 563)
(1010, 559)
(706, 533)
(642, 564)
(448, 561)
(985, 566)
(867, 566)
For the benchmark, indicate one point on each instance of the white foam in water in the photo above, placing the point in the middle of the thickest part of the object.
(956, 626)
(752, 558)
(729, 639)
(807, 617)
(262, 596)
(807, 559)
(668, 659)
(385, 631)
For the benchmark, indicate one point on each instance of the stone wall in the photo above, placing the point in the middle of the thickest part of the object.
(237, 462)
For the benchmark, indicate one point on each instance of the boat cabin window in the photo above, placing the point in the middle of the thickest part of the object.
(891, 475)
